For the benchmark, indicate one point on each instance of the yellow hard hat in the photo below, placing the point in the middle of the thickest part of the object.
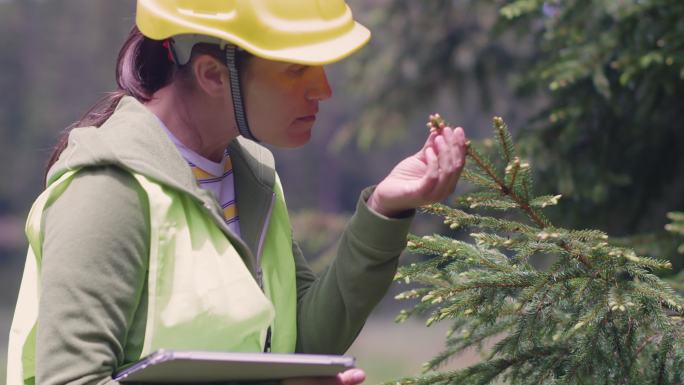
(312, 32)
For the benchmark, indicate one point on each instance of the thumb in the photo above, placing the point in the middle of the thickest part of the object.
(351, 377)
(429, 143)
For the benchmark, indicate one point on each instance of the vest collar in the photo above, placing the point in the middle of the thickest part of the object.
(253, 167)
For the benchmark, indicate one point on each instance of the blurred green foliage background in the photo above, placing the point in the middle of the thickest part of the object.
(592, 89)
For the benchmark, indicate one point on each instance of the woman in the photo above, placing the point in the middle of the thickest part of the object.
(164, 224)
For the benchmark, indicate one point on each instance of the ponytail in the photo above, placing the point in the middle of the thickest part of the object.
(142, 68)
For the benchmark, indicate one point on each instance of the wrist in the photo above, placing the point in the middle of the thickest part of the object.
(375, 204)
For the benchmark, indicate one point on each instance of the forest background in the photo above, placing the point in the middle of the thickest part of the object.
(591, 89)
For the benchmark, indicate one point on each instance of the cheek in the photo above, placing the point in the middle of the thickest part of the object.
(271, 110)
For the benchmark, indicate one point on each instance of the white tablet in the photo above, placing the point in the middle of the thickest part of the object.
(194, 367)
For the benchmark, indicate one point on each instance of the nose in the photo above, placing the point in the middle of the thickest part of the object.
(319, 88)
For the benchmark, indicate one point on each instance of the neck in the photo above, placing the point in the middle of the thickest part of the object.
(198, 123)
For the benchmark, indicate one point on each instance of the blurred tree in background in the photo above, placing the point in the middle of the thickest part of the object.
(433, 55)
(611, 136)
(51, 72)
(602, 82)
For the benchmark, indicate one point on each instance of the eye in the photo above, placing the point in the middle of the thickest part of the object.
(297, 69)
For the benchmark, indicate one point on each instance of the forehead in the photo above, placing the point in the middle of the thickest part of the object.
(256, 63)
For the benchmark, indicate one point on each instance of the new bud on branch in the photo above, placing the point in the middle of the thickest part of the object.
(436, 123)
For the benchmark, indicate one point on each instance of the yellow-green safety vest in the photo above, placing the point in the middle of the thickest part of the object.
(201, 295)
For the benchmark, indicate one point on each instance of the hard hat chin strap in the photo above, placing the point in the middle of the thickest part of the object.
(238, 102)
(180, 52)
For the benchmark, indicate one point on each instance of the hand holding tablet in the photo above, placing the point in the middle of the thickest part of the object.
(348, 377)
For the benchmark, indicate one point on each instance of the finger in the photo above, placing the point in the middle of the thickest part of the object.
(351, 377)
(457, 140)
(450, 138)
(443, 153)
(445, 158)
(460, 150)
(429, 142)
(460, 138)
(431, 177)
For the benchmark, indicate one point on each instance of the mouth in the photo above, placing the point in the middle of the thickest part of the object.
(307, 119)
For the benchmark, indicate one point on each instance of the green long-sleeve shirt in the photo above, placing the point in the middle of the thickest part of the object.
(96, 240)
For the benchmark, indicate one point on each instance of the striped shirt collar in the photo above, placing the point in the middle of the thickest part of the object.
(216, 169)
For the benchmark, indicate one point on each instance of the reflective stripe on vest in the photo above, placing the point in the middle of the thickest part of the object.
(201, 296)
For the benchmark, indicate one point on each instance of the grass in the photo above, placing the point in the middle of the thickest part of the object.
(388, 351)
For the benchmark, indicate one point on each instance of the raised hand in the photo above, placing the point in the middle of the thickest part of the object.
(428, 176)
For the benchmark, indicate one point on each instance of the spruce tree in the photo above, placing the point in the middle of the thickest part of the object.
(598, 314)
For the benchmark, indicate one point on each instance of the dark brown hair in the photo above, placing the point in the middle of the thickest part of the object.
(142, 68)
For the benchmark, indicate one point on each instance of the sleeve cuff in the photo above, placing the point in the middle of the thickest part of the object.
(378, 231)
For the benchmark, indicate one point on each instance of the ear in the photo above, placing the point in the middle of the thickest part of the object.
(211, 75)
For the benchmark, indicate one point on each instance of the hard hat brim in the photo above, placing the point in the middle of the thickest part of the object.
(327, 52)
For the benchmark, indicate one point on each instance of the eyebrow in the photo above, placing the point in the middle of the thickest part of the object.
(296, 65)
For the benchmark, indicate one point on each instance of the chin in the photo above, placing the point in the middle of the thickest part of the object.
(300, 140)
(294, 136)
(297, 138)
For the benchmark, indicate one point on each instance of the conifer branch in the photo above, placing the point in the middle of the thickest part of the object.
(487, 168)
(619, 350)
(436, 123)
(507, 148)
(514, 174)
